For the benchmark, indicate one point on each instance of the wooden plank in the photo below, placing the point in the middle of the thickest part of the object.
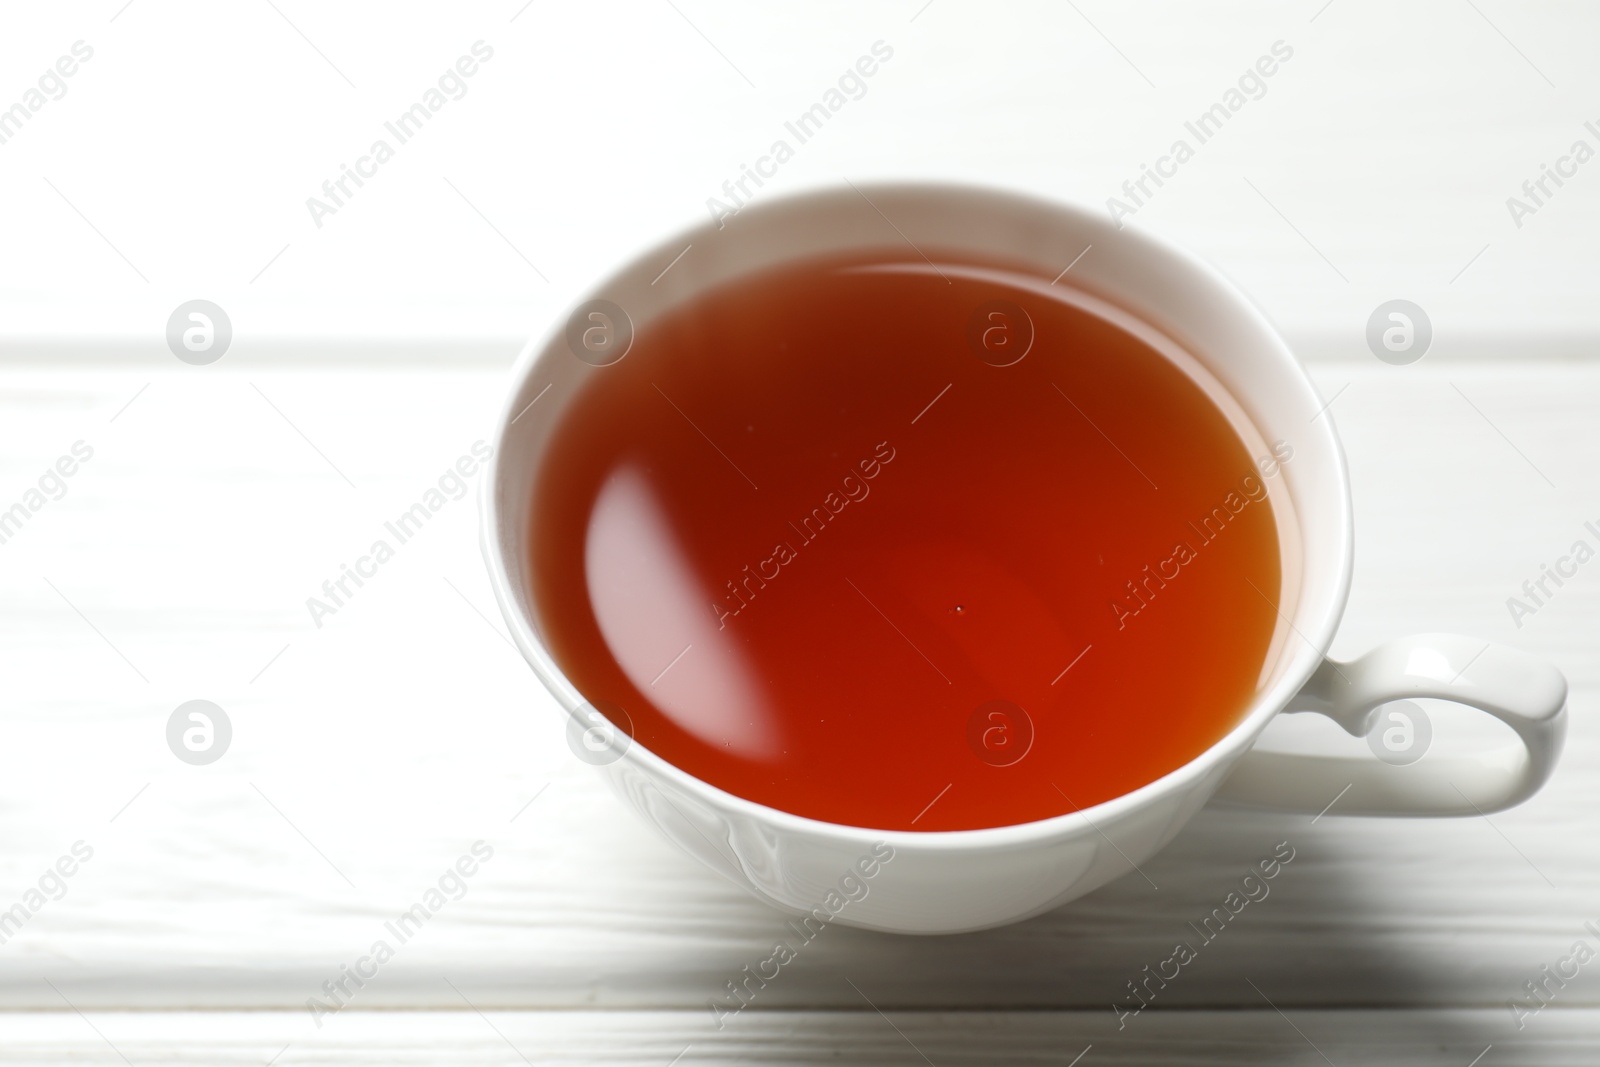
(1173, 1039)
(370, 753)
(1443, 1038)
(1371, 160)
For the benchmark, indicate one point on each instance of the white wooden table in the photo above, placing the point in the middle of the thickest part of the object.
(370, 753)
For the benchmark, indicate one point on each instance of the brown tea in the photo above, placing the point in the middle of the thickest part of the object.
(905, 544)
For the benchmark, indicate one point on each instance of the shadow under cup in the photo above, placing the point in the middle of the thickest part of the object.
(1172, 302)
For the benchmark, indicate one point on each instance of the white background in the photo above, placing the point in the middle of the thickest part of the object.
(194, 137)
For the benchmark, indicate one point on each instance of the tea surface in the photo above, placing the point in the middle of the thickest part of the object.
(907, 547)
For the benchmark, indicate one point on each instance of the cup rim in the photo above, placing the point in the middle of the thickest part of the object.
(1315, 637)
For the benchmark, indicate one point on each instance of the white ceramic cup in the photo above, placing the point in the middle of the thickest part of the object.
(971, 879)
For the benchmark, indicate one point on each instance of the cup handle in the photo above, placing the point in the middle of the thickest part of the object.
(1525, 693)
